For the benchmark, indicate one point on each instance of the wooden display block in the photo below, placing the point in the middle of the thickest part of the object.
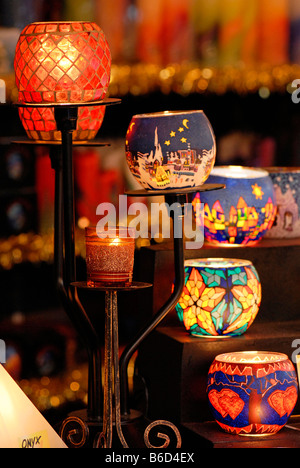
(209, 435)
(174, 366)
(277, 263)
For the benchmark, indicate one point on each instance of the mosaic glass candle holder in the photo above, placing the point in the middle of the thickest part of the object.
(168, 150)
(40, 124)
(252, 393)
(221, 297)
(109, 256)
(63, 62)
(286, 181)
(245, 210)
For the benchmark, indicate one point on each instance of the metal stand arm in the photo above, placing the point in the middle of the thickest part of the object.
(168, 306)
(65, 259)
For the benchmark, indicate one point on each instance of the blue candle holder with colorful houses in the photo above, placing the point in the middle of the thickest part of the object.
(245, 210)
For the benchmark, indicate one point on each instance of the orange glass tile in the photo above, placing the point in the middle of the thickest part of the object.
(72, 53)
(41, 55)
(35, 45)
(42, 74)
(81, 63)
(51, 27)
(57, 73)
(36, 82)
(64, 45)
(88, 52)
(31, 28)
(88, 27)
(48, 64)
(27, 55)
(77, 27)
(33, 63)
(64, 27)
(56, 54)
(40, 29)
(66, 82)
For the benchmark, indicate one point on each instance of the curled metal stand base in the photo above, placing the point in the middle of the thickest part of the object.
(75, 431)
(162, 436)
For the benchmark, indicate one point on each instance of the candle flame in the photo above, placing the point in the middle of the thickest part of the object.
(116, 241)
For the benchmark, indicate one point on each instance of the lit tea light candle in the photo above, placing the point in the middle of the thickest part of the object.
(109, 256)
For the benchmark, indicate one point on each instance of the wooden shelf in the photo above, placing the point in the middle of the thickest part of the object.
(276, 261)
(171, 362)
(209, 435)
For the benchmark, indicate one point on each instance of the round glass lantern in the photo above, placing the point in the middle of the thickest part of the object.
(243, 212)
(64, 62)
(286, 181)
(252, 393)
(221, 297)
(168, 150)
(40, 124)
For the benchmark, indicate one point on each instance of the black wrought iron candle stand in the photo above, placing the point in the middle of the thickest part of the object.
(61, 153)
(111, 391)
(107, 407)
(174, 198)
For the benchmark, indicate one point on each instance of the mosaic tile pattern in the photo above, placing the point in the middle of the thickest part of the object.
(221, 297)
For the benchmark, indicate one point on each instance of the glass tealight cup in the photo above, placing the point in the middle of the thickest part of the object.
(109, 256)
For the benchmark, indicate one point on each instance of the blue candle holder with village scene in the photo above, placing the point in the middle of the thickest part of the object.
(170, 150)
(286, 181)
(243, 212)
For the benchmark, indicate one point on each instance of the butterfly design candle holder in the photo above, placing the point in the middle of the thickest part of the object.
(251, 392)
(221, 297)
(244, 212)
(63, 62)
(168, 150)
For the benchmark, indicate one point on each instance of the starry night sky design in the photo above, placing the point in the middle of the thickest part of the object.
(288, 181)
(173, 134)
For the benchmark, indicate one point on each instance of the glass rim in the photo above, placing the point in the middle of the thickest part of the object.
(282, 169)
(61, 22)
(239, 172)
(217, 262)
(110, 232)
(251, 357)
(168, 113)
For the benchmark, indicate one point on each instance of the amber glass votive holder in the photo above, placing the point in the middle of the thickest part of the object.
(109, 256)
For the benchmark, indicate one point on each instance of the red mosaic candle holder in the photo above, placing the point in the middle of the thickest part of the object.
(40, 124)
(64, 62)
